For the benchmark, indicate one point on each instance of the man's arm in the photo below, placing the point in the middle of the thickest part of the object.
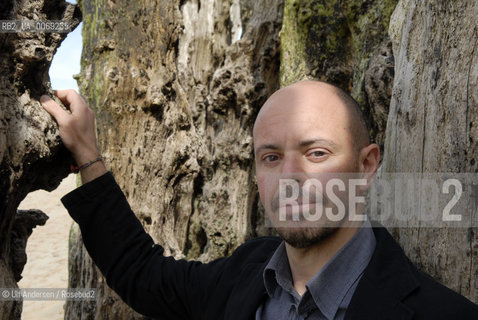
(152, 284)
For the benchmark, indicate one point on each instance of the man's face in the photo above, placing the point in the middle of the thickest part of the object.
(302, 132)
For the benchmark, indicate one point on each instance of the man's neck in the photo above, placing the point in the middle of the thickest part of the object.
(306, 262)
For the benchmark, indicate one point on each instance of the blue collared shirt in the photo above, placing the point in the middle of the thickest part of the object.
(329, 291)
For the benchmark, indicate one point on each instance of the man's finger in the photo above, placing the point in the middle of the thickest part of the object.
(70, 98)
(53, 108)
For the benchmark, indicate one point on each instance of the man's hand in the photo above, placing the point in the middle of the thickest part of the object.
(77, 130)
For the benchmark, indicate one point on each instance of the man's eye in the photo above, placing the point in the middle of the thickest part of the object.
(317, 154)
(270, 158)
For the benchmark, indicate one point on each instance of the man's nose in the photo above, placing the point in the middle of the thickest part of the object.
(293, 168)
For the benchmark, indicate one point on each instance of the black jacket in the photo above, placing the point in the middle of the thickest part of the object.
(233, 288)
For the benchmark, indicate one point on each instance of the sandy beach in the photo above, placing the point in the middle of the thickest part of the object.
(47, 251)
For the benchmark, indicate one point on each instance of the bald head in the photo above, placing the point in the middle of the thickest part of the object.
(322, 98)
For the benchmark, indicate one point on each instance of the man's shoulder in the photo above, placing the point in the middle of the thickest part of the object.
(393, 272)
(257, 249)
(435, 299)
(253, 253)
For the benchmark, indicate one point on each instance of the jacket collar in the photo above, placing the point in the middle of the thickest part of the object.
(388, 279)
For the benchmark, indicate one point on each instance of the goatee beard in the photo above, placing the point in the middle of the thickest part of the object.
(305, 237)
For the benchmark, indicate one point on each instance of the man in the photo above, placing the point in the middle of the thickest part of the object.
(329, 268)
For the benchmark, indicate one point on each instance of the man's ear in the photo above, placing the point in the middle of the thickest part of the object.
(369, 159)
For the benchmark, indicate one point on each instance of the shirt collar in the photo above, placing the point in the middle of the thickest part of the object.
(328, 287)
(277, 272)
(331, 284)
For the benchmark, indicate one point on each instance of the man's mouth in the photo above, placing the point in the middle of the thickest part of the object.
(300, 211)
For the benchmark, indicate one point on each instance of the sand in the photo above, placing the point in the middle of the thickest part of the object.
(47, 251)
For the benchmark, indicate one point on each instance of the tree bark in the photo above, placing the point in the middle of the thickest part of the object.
(31, 155)
(433, 124)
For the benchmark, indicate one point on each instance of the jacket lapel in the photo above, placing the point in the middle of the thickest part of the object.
(388, 279)
(248, 293)
(372, 303)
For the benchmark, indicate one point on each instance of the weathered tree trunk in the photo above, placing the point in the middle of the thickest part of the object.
(433, 124)
(31, 155)
(176, 86)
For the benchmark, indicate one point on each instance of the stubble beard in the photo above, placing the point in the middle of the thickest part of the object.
(307, 237)
(302, 236)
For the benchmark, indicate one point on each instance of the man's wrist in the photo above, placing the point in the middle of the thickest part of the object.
(84, 157)
(88, 167)
(92, 172)
(77, 169)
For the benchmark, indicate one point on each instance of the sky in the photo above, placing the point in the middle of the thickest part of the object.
(66, 61)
